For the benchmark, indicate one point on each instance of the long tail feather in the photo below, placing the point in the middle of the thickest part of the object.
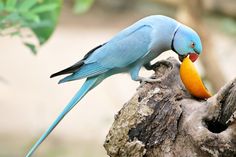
(87, 86)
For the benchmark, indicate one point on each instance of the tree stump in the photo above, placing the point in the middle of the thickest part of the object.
(163, 120)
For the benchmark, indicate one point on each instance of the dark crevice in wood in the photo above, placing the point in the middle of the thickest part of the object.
(226, 101)
(215, 126)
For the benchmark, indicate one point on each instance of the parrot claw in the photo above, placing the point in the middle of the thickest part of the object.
(144, 80)
(149, 80)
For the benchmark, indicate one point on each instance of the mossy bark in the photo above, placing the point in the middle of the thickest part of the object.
(162, 119)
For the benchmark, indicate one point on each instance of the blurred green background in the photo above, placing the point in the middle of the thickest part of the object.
(60, 33)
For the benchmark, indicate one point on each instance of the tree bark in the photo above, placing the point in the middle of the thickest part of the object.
(162, 119)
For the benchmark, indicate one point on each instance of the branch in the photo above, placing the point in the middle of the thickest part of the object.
(163, 119)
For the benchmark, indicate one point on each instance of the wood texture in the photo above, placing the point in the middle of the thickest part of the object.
(162, 120)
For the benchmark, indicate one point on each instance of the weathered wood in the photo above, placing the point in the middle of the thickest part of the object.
(163, 119)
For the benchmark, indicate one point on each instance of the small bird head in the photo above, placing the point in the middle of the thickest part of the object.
(186, 42)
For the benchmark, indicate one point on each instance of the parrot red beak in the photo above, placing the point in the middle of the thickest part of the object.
(193, 56)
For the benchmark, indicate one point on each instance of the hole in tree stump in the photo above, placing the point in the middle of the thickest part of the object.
(215, 126)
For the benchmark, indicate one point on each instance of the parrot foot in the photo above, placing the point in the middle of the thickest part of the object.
(150, 80)
(143, 80)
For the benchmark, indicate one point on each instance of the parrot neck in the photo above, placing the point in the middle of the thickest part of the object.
(173, 38)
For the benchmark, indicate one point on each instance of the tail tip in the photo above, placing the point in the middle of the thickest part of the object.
(61, 81)
(53, 75)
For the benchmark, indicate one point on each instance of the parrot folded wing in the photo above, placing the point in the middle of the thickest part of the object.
(76, 66)
(121, 52)
(87, 70)
(117, 53)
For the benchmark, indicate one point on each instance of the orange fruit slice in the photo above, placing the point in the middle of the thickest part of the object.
(191, 80)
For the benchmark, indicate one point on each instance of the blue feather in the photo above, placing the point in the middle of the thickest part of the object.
(87, 86)
(88, 70)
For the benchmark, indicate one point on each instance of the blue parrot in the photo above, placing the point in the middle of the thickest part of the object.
(129, 50)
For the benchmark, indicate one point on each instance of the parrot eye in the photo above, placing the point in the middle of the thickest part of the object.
(192, 44)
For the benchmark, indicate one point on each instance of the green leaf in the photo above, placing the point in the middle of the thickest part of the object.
(81, 6)
(48, 21)
(40, 16)
(31, 17)
(10, 5)
(44, 8)
(43, 30)
(11, 18)
(32, 47)
(1, 6)
(26, 5)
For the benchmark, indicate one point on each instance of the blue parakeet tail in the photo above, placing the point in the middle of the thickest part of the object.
(87, 86)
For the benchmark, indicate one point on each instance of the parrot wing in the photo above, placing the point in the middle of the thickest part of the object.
(76, 66)
(120, 52)
(123, 51)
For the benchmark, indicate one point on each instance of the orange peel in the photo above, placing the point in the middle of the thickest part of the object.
(192, 81)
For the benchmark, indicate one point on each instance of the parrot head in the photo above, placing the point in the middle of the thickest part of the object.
(186, 42)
